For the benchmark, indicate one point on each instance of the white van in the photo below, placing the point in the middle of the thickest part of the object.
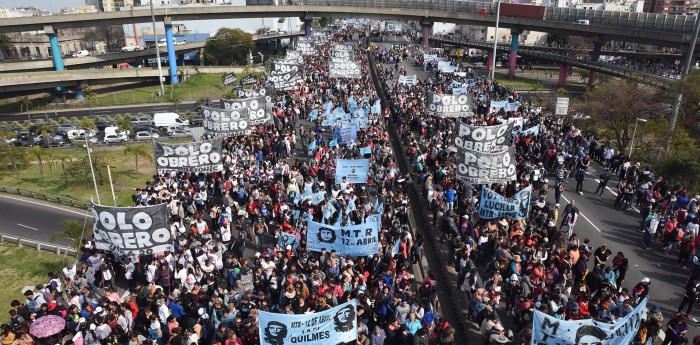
(79, 134)
(163, 120)
(583, 22)
(81, 53)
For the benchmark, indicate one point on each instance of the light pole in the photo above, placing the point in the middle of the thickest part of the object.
(633, 134)
(495, 41)
(92, 170)
(155, 41)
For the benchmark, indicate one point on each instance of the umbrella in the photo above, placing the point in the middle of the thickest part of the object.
(47, 326)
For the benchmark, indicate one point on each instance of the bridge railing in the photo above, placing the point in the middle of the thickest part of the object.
(647, 21)
(44, 196)
(38, 245)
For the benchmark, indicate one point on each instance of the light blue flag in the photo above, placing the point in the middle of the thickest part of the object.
(351, 206)
(397, 243)
(377, 108)
(379, 207)
(333, 143)
(313, 145)
(318, 197)
(296, 213)
(339, 220)
(313, 114)
(366, 150)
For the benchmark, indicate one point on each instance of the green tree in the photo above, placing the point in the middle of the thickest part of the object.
(690, 103)
(24, 104)
(74, 231)
(45, 131)
(89, 94)
(616, 106)
(16, 156)
(228, 47)
(124, 124)
(5, 44)
(41, 155)
(5, 136)
(64, 160)
(263, 30)
(79, 170)
(87, 123)
(138, 151)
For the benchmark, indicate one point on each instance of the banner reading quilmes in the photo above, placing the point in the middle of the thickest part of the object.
(200, 156)
(333, 326)
(480, 167)
(448, 105)
(493, 205)
(354, 170)
(549, 330)
(484, 138)
(225, 122)
(350, 240)
(132, 230)
(260, 109)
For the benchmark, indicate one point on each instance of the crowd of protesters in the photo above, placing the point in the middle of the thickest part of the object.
(538, 263)
(228, 263)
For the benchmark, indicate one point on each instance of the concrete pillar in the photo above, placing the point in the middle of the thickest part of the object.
(489, 60)
(201, 57)
(307, 27)
(55, 48)
(591, 79)
(597, 48)
(512, 61)
(180, 59)
(172, 59)
(563, 74)
(426, 35)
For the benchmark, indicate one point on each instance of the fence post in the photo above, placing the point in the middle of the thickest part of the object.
(58, 250)
(2, 238)
(19, 242)
(38, 246)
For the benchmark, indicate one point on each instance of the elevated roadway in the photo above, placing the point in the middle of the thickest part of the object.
(657, 29)
(587, 64)
(115, 58)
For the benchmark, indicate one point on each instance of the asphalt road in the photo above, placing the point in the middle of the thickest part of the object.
(116, 110)
(601, 223)
(33, 219)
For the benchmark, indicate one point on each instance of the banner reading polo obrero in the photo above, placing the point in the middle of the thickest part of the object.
(333, 326)
(132, 230)
(285, 75)
(293, 54)
(306, 45)
(486, 139)
(552, 331)
(200, 156)
(347, 69)
(480, 167)
(443, 105)
(259, 107)
(350, 240)
(226, 122)
(493, 205)
(354, 170)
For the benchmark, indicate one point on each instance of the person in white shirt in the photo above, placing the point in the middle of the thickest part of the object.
(692, 227)
(69, 271)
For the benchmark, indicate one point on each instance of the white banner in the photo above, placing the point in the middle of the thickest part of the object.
(354, 170)
(348, 69)
(333, 326)
(350, 240)
(407, 79)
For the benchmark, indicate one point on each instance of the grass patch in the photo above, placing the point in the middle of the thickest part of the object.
(25, 266)
(79, 186)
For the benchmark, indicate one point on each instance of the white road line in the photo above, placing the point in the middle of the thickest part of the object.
(28, 227)
(581, 214)
(47, 205)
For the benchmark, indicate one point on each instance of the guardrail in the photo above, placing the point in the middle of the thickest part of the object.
(649, 21)
(48, 247)
(46, 197)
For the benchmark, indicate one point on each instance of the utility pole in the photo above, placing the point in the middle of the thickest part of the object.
(679, 95)
(155, 41)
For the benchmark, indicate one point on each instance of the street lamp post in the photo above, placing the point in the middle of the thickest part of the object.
(155, 41)
(495, 41)
(633, 135)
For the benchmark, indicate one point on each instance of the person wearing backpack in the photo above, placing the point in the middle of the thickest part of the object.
(603, 183)
(34, 301)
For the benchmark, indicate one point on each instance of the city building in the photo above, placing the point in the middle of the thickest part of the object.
(80, 10)
(110, 5)
(38, 47)
(668, 6)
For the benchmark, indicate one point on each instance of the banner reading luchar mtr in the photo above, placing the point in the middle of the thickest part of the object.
(226, 122)
(351, 240)
(549, 330)
(334, 326)
(354, 170)
(493, 205)
(132, 230)
(200, 156)
(481, 167)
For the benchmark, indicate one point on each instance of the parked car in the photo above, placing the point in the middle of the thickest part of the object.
(113, 138)
(64, 127)
(142, 121)
(180, 133)
(55, 140)
(80, 138)
(81, 53)
(131, 48)
(173, 128)
(196, 120)
(101, 125)
(146, 136)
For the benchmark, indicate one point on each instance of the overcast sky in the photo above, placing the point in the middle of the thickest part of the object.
(51, 5)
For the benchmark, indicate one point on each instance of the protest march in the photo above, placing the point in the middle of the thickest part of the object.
(288, 222)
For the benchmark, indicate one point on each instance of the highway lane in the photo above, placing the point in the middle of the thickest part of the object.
(115, 110)
(35, 220)
(602, 223)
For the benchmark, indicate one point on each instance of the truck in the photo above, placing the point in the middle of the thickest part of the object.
(163, 120)
(524, 11)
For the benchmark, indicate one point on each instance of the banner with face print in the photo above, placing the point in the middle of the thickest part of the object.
(199, 156)
(132, 230)
(493, 205)
(350, 240)
(480, 167)
(550, 330)
(334, 326)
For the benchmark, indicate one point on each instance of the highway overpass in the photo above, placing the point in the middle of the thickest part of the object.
(656, 29)
(116, 58)
(27, 81)
(587, 64)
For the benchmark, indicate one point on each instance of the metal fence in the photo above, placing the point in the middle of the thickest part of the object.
(47, 197)
(650, 21)
(38, 245)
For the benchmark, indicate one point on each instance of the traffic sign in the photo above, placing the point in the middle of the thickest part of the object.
(562, 106)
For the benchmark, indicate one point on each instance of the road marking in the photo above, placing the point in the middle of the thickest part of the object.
(161, 108)
(28, 227)
(581, 214)
(47, 205)
(615, 194)
(102, 111)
